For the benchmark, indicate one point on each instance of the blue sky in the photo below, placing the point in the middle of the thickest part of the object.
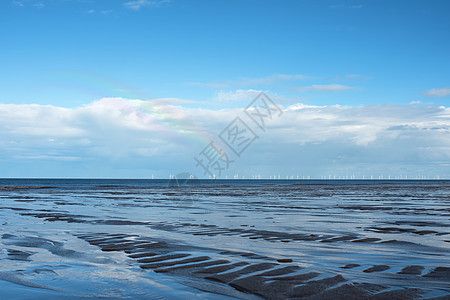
(202, 58)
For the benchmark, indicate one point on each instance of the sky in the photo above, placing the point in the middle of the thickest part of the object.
(142, 89)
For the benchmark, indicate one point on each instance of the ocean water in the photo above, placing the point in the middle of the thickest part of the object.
(58, 236)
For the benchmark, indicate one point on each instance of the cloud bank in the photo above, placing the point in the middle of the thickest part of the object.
(138, 4)
(438, 93)
(116, 137)
(325, 88)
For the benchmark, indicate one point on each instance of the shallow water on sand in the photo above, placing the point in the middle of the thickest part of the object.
(79, 238)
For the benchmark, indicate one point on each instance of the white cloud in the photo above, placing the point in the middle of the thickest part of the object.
(438, 93)
(48, 157)
(236, 95)
(22, 3)
(243, 97)
(349, 77)
(173, 101)
(325, 88)
(138, 4)
(218, 85)
(273, 78)
(18, 3)
(116, 133)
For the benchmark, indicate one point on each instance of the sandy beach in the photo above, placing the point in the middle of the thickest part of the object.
(225, 239)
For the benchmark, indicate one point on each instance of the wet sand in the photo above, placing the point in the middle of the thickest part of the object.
(298, 241)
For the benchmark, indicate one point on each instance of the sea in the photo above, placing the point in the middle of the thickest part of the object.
(223, 238)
